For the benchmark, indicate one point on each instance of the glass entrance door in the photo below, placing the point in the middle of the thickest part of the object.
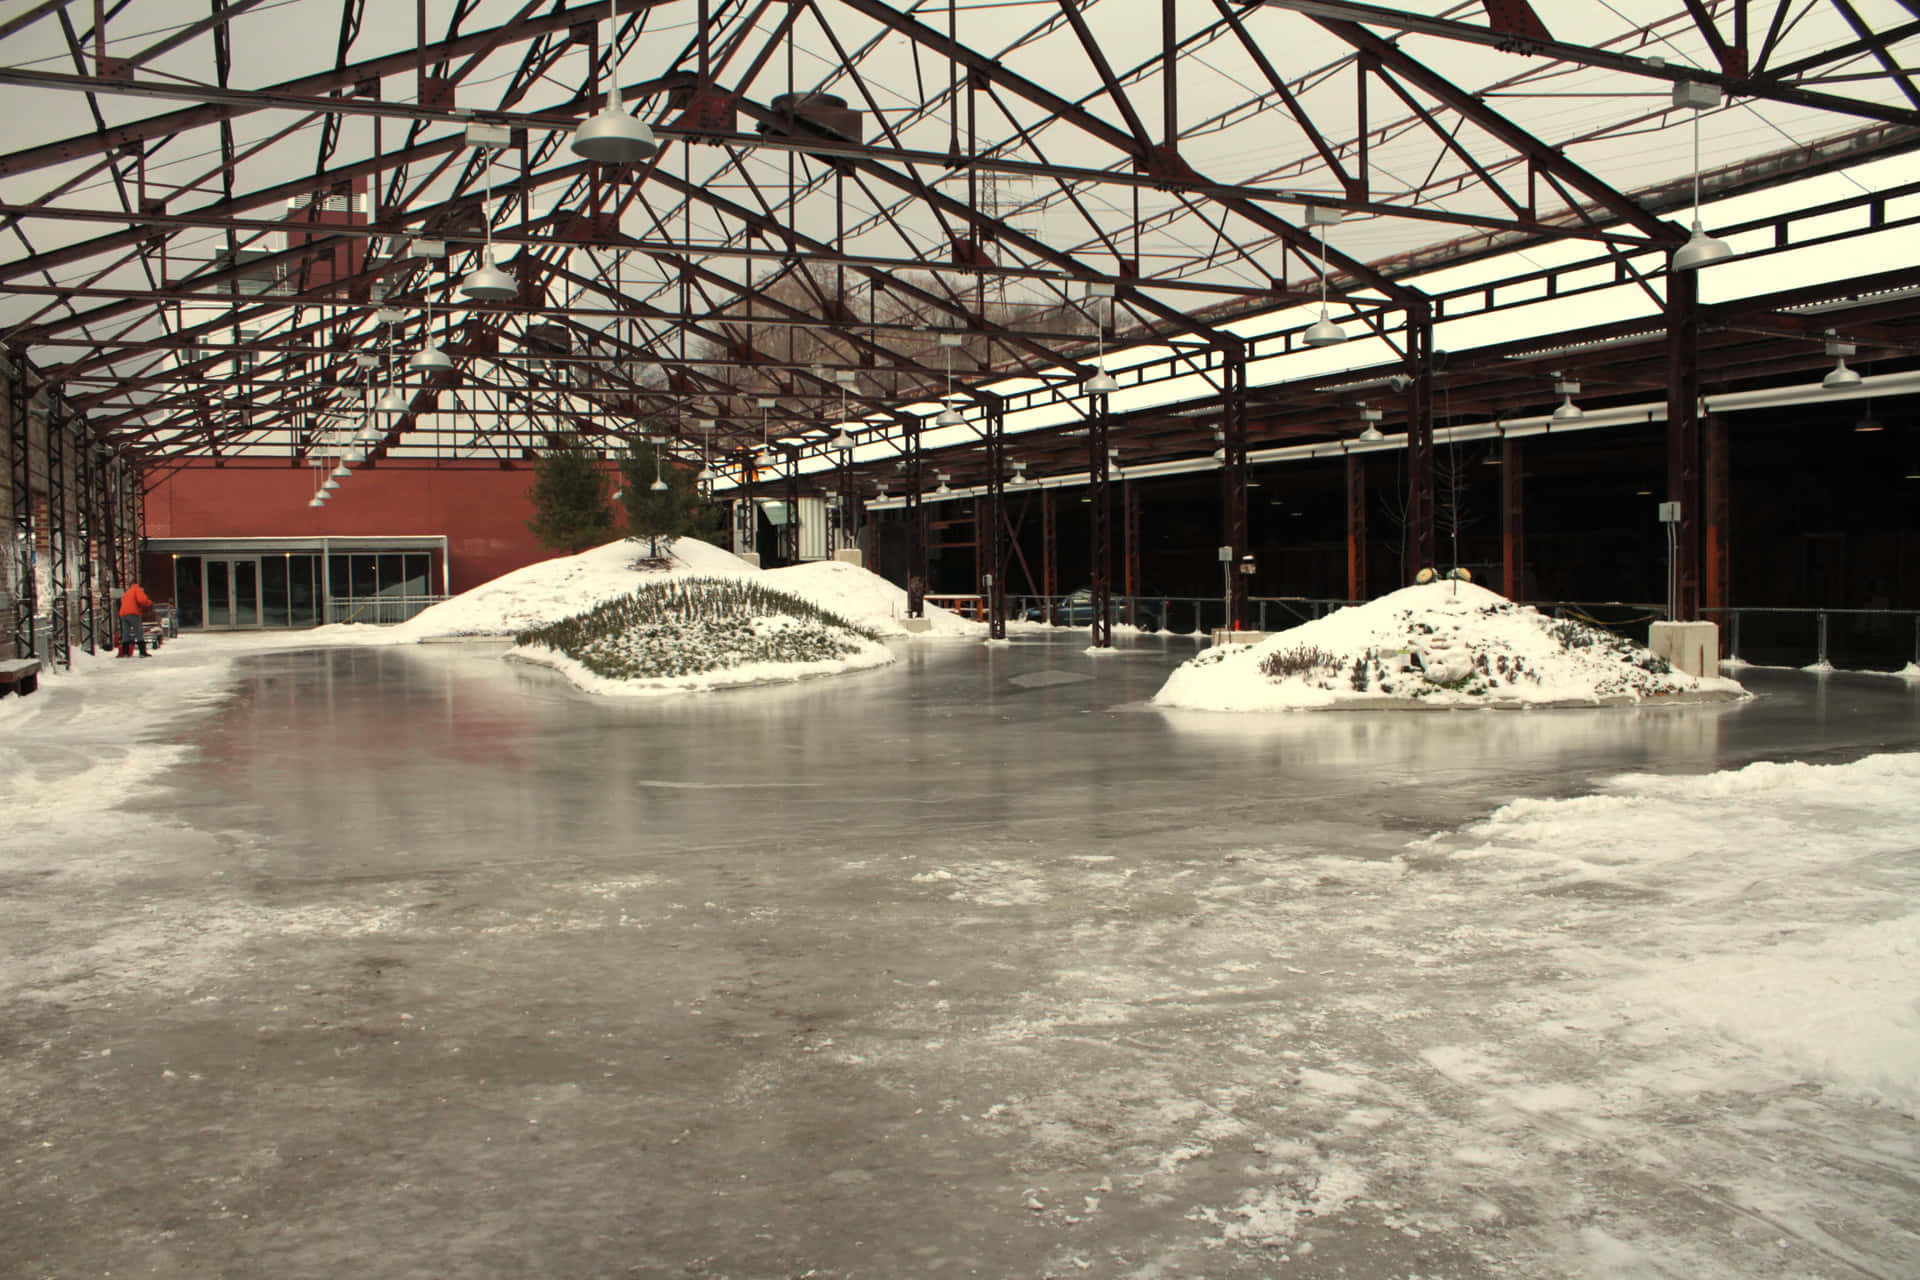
(233, 592)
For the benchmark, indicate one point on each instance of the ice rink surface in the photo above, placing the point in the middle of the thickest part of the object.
(405, 961)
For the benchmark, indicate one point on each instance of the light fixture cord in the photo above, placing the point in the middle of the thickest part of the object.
(1696, 167)
(1321, 233)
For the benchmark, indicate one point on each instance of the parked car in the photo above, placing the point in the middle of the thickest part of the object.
(1076, 610)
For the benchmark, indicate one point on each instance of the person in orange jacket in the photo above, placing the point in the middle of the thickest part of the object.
(134, 605)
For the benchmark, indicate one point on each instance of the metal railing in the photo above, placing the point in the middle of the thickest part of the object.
(1849, 639)
(378, 610)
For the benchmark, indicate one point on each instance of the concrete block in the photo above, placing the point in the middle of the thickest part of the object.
(1692, 647)
(917, 626)
(850, 555)
(1224, 635)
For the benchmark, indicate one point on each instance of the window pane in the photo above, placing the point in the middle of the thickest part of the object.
(365, 575)
(273, 591)
(303, 599)
(337, 583)
(392, 575)
(417, 575)
(218, 585)
(186, 592)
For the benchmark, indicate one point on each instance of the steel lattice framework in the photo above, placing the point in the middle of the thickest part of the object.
(232, 218)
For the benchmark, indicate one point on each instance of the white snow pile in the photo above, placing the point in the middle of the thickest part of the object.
(865, 597)
(683, 634)
(1444, 644)
(559, 588)
(552, 590)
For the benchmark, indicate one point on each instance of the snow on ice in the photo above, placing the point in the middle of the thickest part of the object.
(1444, 644)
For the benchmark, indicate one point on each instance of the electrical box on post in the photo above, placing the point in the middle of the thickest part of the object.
(1669, 513)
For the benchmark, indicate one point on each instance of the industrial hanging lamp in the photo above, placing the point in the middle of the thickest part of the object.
(1323, 332)
(487, 282)
(611, 136)
(1370, 430)
(659, 484)
(1100, 382)
(1842, 377)
(1700, 249)
(943, 486)
(430, 358)
(706, 435)
(1567, 389)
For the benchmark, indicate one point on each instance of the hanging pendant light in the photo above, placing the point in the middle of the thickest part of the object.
(1323, 332)
(949, 417)
(340, 472)
(659, 484)
(842, 441)
(1100, 382)
(1841, 377)
(1700, 249)
(430, 359)
(488, 283)
(611, 136)
(391, 402)
(1568, 411)
(1371, 434)
(329, 484)
(1370, 424)
(943, 486)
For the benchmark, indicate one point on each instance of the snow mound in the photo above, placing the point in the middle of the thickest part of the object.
(862, 596)
(1443, 644)
(680, 634)
(560, 588)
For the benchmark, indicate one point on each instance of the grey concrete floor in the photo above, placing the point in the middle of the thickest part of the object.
(429, 966)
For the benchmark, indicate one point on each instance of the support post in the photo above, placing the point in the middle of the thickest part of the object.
(1356, 527)
(1513, 527)
(20, 481)
(1100, 534)
(1130, 545)
(1683, 437)
(1233, 482)
(916, 513)
(1049, 556)
(89, 525)
(1420, 495)
(1716, 577)
(59, 537)
(790, 531)
(993, 540)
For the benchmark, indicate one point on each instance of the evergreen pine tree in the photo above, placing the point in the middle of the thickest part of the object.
(569, 497)
(661, 515)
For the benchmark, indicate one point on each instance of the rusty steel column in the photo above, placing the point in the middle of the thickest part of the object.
(1233, 483)
(1356, 527)
(1513, 519)
(1717, 575)
(59, 536)
(1100, 519)
(1049, 556)
(20, 478)
(1130, 544)
(1420, 496)
(89, 527)
(1683, 437)
(790, 531)
(993, 544)
(916, 513)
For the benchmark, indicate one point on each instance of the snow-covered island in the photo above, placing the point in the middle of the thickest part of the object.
(1442, 644)
(615, 621)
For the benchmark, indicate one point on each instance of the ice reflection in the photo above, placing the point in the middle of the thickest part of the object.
(1457, 739)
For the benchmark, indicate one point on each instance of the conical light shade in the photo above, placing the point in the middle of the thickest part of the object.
(1568, 411)
(331, 484)
(1841, 377)
(1700, 250)
(340, 472)
(1099, 383)
(488, 283)
(951, 418)
(313, 502)
(706, 474)
(613, 137)
(842, 440)
(943, 488)
(658, 486)
(1371, 434)
(391, 401)
(430, 359)
(1324, 332)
